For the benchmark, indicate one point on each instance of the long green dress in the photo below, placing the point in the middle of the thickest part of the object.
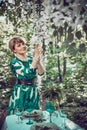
(23, 96)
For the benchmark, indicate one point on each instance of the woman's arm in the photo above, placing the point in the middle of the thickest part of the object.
(36, 59)
(35, 62)
(40, 69)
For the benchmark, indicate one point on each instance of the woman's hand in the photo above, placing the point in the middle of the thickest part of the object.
(37, 51)
(36, 59)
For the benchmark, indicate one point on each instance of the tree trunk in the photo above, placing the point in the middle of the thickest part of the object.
(64, 66)
(59, 70)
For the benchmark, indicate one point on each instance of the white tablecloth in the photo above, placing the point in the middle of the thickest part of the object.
(11, 122)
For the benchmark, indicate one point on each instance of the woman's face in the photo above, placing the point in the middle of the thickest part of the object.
(20, 48)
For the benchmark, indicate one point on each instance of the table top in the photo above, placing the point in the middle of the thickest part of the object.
(62, 122)
(11, 122)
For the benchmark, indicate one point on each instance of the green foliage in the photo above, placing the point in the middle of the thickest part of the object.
(58, 39)
(52, 91)
(52, 68)
(79, 115)
(82, 48)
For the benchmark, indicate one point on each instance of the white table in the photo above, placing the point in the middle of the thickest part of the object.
(11, 122)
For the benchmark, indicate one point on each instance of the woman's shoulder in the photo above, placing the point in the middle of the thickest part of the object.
(13, 60)
(30, 58)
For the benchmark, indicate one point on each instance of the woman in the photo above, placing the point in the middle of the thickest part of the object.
(25, 92)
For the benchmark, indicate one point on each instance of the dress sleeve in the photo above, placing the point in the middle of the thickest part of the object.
(30, 62)
(12, 66)
(41, 74)
(16, 67)
(34, 69)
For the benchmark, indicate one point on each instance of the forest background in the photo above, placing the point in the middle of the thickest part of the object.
(60, 27)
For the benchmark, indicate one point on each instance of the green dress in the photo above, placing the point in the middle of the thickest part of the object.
(23, 96)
